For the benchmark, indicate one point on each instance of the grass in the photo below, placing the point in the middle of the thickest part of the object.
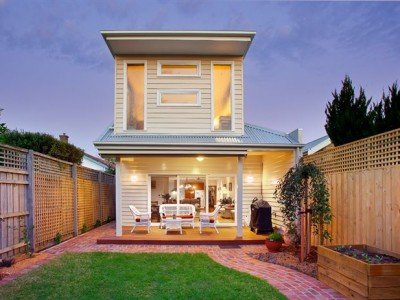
(132, 276)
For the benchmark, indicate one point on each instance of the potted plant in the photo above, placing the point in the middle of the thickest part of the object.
(274, 242)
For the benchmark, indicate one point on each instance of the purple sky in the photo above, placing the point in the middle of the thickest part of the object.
(56, 73)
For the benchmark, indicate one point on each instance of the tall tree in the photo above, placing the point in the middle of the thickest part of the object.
(387, 111)
(348, 118)
(3, 127)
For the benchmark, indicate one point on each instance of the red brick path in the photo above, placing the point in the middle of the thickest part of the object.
(293, 284)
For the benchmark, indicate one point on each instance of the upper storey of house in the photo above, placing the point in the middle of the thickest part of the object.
(178, 82)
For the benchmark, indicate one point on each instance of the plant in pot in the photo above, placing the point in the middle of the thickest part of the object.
(274, 242)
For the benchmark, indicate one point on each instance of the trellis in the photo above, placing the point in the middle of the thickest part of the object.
(41, 197)
(378, 151)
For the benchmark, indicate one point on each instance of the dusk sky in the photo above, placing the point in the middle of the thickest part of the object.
(56, 72)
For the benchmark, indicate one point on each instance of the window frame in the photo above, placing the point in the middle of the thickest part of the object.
(125, 100)
(179, 91)
(232, 64)
(197, 63)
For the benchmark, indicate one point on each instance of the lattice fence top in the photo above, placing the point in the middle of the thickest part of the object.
(377, 151)
(88, 174)
(49, 165)
(11, 157)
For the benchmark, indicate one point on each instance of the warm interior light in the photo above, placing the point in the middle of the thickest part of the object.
(134, 178)
(200, 158)
(250, 179)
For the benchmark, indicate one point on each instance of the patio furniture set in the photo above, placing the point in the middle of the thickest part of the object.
(174, 216)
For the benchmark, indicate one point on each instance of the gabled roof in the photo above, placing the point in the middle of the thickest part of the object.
(253, 137)
(126, 42)
(316, 145)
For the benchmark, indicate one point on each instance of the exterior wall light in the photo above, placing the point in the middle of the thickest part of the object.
(134, 178)
(250, 179)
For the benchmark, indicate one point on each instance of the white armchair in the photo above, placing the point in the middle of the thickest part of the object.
(209, 220)
(140, 219)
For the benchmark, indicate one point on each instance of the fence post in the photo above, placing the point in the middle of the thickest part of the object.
(100, 202)
(30, 201)
(75, 197)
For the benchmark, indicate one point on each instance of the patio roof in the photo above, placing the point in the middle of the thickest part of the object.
(254, 137)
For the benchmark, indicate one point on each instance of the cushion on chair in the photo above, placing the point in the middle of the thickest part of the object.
(211, 220)
(137, 219)
(186, 216)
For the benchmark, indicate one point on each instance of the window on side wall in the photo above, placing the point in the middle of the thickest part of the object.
(178, 68)
(179, 98)
(222, 96)
(135, 85)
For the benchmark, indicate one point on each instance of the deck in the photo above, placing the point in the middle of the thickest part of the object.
(189, 236)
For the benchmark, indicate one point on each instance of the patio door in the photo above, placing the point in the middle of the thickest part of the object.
(222, 193)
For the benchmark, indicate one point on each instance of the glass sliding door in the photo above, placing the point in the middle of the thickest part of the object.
(222, 193)
(192, 191)
(163, 191)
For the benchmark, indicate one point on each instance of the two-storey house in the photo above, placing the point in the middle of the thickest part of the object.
(179, 134)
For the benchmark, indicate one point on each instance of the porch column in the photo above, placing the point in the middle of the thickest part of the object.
(239, 200)
(118, 206)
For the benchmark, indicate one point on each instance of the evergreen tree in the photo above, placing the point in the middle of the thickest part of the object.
(387, 112)
(3, 127)
(348, 118)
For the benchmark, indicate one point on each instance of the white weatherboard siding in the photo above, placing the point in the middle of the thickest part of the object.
(275, 166)
(252, 170)
(174, 119)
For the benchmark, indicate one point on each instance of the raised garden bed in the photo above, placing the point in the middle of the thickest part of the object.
(360, 271)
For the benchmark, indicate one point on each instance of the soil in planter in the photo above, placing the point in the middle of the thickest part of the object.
(366, 256)
(289, 257)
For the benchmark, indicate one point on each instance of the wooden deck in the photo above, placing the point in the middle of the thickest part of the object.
(189, 236)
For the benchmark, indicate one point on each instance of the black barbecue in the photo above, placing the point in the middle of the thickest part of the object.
(260, 220)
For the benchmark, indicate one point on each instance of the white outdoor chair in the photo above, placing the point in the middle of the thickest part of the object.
(140, 219)
(209, 220)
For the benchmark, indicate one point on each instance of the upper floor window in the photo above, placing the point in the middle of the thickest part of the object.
(179, 97)
(178, 68)
(222, 96)
(135, 96)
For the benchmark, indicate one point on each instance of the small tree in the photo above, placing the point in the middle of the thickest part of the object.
(348, 118)
(303, 192)
(387, 111)
(3, 127)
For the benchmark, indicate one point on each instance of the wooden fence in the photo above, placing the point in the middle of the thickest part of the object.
(41, 197)
(364, 186)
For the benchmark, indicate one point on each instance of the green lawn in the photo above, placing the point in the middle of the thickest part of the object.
(150, 276)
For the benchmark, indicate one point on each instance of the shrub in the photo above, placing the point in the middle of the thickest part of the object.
(275, 237)
(43, 143)
(58, 238)
(97, 224)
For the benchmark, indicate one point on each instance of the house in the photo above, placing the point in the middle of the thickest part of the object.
(179, 134)
(96, 163)
(317, 145)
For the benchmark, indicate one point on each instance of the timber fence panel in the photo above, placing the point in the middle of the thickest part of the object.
(13, 191)
(54, 202)
(41, 197)
(364, 184)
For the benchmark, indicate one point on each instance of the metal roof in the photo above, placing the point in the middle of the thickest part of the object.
(316, 145)
(253, 136)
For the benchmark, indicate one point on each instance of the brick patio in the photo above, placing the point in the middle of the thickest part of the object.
(293, 284)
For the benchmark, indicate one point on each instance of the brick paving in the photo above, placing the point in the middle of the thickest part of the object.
(293, 284)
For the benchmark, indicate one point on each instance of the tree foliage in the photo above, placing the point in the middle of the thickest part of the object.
(43, 143)
(302, 184)
(387, 111)
(348, 118)
(3, 127)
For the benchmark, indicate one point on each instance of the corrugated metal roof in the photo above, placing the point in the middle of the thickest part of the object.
(253, 135)
(316, 143)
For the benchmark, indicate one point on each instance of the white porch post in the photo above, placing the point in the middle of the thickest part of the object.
(118, 206)
(239, 200)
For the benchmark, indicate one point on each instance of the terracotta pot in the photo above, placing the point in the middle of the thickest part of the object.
(273, 246)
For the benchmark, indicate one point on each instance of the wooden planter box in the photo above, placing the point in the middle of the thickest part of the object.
(356, 279)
